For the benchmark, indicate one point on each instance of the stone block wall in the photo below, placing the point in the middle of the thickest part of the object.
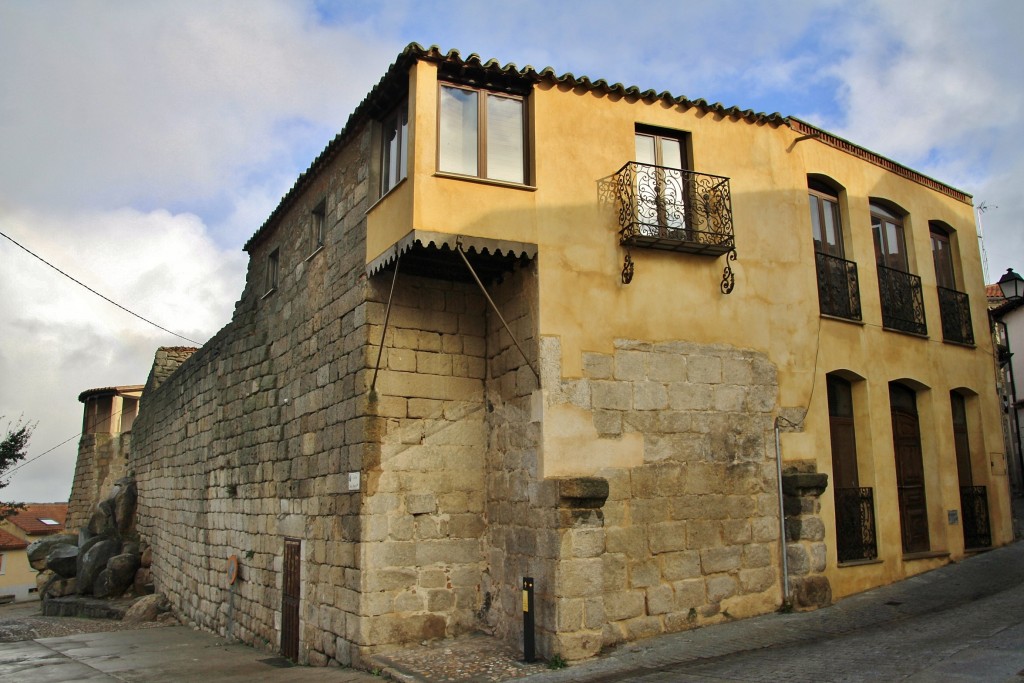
(102, 460)
(802, 487)
(518, 505)
(691, 535)
(422, 555)
(252, 439)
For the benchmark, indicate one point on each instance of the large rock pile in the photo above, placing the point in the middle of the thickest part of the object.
(105, 559)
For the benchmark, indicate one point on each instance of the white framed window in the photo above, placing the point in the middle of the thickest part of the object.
(394, 148)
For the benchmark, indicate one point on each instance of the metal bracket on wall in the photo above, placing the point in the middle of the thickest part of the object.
(728, 277)
(627, 268)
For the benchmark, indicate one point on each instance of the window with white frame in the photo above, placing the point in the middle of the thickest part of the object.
(394, 148)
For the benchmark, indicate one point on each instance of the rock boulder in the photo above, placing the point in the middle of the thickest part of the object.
(63, 560)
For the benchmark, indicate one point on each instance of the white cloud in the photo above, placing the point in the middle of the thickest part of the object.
(61, 339)
(143, 143)
(151, 102)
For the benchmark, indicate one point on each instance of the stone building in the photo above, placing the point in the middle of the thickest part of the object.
(511, 324)
(107, 419)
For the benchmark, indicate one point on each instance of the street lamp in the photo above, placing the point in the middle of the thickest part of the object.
(1011, 285)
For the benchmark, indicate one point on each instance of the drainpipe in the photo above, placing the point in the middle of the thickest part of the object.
(782, 518)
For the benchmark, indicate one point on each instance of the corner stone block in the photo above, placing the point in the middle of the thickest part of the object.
(797, 559)
(627, 604)
(578, 645)
(579, 578)
(812, 592)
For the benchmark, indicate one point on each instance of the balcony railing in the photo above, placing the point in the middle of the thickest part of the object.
(974, 508)
(665, 208)
(902, 301)
(855, 524)
(955, 309)
(838, 289)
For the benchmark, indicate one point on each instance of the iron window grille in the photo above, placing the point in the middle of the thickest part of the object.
(855, 524)
(902, 301)
(974, 509)
(675, 210)
(838, 286)
(955, 311)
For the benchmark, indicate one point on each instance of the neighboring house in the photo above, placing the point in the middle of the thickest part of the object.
(103, 449)
(512, 327)
(1008, 328)
(16, 577)
(17, 532)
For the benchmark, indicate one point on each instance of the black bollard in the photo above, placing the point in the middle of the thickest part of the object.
(529, 644)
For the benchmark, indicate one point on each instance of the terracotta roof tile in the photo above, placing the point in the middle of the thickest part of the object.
(393, 83)
(11, 542)
(30, 520)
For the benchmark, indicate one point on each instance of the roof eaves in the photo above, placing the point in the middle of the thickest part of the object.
(414, 52)
(856, 150)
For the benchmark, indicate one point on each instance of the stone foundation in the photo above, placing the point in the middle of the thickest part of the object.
(805, 537)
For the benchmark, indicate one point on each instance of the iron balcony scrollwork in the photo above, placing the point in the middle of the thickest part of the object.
(674, 210)
(838, 287)
(902, 301)
(974, 509)
(955, 310)
(855, 524)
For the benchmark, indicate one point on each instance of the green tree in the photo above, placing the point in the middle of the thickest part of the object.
(13, 449)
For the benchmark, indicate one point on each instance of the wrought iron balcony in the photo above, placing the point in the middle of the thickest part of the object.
(838, 288)
(902, 301)
(855, 524)
(665, 208)
(974, 509)
(955, 309)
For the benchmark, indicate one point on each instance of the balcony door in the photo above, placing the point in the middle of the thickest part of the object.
(838, 287)
(973, 499)
(943, 257)
(825, 220)
(855, 515)
(899, 290)
(906, 435)
(660, 190)
(890, 241)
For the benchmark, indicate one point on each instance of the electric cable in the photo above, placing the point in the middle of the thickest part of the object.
(109, 300)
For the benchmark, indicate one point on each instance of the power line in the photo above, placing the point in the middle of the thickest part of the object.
(109, 300)
(18, 466)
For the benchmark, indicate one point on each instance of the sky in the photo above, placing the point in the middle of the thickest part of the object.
(142, 142)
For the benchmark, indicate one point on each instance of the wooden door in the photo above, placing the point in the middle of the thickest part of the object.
(290, 600)
(906, 433)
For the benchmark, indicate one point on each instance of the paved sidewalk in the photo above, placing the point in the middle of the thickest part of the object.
(963, 622)
(170, 653)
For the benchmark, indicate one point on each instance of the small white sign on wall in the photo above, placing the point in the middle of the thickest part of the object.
(353, 481)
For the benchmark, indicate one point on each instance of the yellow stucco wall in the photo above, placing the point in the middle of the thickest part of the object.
(17, 577)
(579, 137)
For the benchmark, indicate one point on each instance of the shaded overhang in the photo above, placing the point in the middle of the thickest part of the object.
(436, 255)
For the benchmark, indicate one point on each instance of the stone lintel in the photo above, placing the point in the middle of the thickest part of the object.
(804, 484)
(582, 492)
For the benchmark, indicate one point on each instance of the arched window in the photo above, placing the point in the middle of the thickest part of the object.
(826, 224)
(890, 242)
